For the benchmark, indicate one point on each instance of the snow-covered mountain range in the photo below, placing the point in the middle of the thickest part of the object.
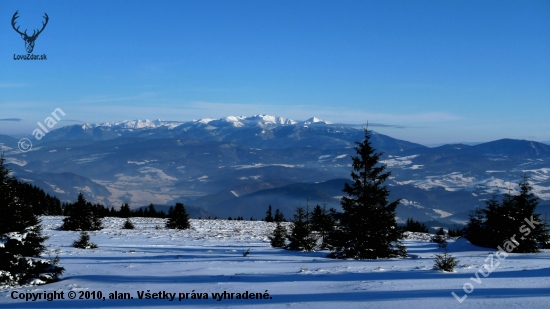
(262, 121)
(237, 166)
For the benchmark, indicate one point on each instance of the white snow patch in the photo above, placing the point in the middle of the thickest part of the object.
(208, 258)
(396, 161)
(141, 162)
(442, 213)
(411, 203)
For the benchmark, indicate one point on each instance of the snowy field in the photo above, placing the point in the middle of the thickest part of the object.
(207, 261)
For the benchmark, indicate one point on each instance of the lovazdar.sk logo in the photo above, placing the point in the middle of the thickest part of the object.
(29, 39)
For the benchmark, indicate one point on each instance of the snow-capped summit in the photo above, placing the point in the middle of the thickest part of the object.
(242, 121)
(88, 126)
(265, 120)
(315, 120)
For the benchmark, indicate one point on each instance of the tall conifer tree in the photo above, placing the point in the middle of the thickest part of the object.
(367, 228)
(268, 215)
(279, 217)
(278, 237)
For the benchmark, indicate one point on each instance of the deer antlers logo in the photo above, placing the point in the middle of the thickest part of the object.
(29, 40)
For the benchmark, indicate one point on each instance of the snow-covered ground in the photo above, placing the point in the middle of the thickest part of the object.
(208, 260)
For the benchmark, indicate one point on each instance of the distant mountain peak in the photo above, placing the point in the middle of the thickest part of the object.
(315, 120)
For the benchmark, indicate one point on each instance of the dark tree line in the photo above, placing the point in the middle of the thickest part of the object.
(509, 223)
(414, 226)
(41, 203)
(123, 212)
(237, 218)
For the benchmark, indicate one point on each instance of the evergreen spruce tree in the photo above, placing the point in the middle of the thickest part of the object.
(279, 217)
(125, 211)
(367, 228)
(41, 203)
(323, 222)
(301, 236)
(151, 211)
(161, 214)
(317, 218)
(268, 215)
(82, 217)
(128, 225)
(457, 231)
(440, 238)
(137, 213)
(445, 262)
(278, 236)
(178, 218)
(100, 211)
(533, 231)
(84, 242)
(475, 230)
(511, 223)
(22, 239)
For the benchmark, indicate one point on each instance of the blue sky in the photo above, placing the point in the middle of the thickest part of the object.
(446, 71)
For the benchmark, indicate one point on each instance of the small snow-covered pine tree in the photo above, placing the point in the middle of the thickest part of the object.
(84, 242)
(445, 262)
(128, 225)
